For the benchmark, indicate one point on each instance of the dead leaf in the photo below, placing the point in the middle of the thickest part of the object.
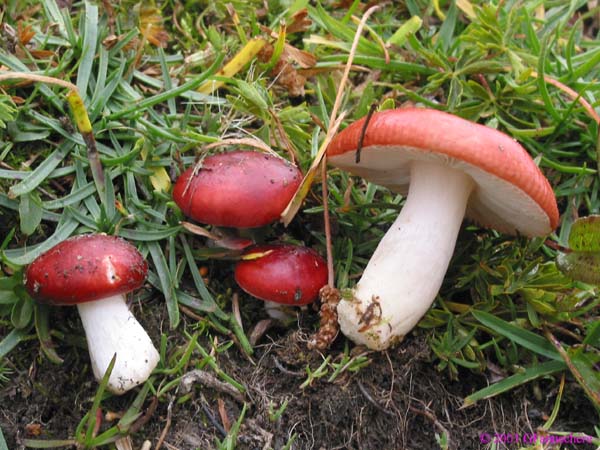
(300, 22)
(304, 59)
(33, 429)
(112, 40)
(284, 71)
(223, 413)
(42, 54)
(151, 26)
(24, 33)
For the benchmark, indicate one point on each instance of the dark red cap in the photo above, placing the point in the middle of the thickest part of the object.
(286, 274)
(237, 189)
(85, 268)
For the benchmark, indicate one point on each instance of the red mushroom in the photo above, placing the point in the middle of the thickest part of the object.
(94, 272)
(455, 168)
(237, 189)
(281, 274)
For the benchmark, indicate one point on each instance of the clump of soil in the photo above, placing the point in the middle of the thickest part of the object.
(398, 401)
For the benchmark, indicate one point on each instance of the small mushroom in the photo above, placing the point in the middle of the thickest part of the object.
(451, 168)
(94, 272)
(239, 189)
(281, 274)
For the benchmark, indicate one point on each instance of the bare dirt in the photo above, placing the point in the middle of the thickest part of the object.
(398, 401)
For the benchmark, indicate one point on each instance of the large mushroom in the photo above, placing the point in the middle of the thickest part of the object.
(94, 272)
(451, 168)
(239, 189)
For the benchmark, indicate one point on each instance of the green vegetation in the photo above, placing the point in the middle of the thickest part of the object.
(146, 77)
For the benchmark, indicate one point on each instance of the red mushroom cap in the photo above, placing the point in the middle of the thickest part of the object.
(237, 189)
(286, 274)
(511, 193)
(85, 268)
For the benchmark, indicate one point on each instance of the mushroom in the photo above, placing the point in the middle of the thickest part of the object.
(94, 272)
(451, 168)
(281, 274)
(239, 189)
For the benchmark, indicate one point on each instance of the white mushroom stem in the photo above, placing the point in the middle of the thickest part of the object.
(111, 328)
(406, 271)
(279, 312)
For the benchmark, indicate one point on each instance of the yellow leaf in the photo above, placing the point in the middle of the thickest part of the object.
(160, 178)
(294, 205)
(255, 255)
(79, 112)
(466, 7)
(237, 63)
(151, 26)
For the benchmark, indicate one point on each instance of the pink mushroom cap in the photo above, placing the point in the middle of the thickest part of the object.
(511, 194)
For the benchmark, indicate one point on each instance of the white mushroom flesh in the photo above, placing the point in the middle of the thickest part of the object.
(406, 271)
(112, 329)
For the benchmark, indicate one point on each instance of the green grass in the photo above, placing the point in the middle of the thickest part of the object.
(503, 300)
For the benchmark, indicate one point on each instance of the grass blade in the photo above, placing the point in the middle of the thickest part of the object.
(43, 332)
(22, 256)
(11, 340)
(208, 300)
(50, 443)
(91, 422)
(165, 96)
(42, 171)
(30, 212)
(149, 235)
(88, 50)
(525, 338)
(3, 445)
(531, 373)
(166, 281)
(54, 15)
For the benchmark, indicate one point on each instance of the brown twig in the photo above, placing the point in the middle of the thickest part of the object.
(37, 78)
(327, 224)
(555, 246)
(595, 396)
(575, 96)
(330, 297)
(223, 414)
(250, 142)
(363, 132)
(431, 416)
(565, 331)
(138, 424)
(211, 417)
(283, 136)
(259, 330)
(285, 370)
(163, 434)
(372, 401)
(334, 123)
(210, 381)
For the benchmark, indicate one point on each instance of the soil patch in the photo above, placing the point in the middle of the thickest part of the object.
(398, 401)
